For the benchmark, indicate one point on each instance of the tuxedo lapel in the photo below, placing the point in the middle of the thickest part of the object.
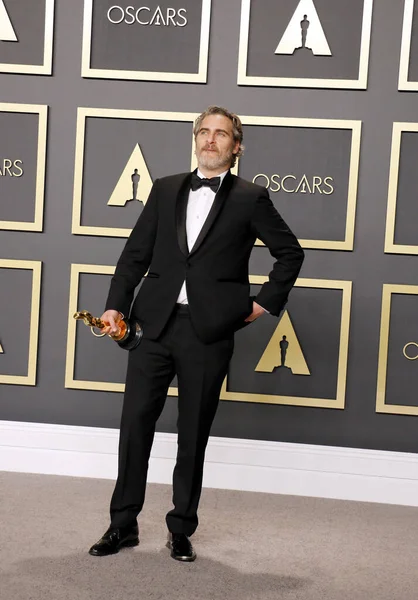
(217, 206)
(181, 213)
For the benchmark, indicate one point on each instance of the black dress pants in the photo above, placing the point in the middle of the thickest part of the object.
(200, 369)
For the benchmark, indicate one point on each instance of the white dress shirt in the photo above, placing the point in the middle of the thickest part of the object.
(198, 207)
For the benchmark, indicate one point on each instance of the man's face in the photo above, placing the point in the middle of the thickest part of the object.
(215, 144)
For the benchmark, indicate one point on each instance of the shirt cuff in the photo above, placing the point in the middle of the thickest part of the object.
(265, 309)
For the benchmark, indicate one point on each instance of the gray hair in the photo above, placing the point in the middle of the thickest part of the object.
(236, 127)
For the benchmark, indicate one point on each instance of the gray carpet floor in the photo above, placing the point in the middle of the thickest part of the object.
(250, 546)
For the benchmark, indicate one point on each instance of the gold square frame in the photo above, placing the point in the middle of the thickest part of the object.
(339, 401)
(46, 67)
(355, 126)
(404, 84)
(390, 246)
(79, 384)
(42, 111)
(36, 268)
(82, 115)
(381, 406)
(305, 82)
(199, 77)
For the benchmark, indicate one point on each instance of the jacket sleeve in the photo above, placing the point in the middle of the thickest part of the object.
(135, 258)
(283, 245)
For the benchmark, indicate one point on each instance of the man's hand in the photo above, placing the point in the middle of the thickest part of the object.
(257, 312)
(111, 317)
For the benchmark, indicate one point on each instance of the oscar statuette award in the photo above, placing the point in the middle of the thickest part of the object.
(128, 336)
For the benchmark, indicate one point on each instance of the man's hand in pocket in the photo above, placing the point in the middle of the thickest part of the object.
(257, 312)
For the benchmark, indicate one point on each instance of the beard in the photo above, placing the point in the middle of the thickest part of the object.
(214, 160)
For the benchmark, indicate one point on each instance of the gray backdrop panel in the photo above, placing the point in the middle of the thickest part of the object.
(97, 359)
(406, 204)
(14, 330)
(18, 141)
(302, 151)
(314, 311)
(402, 374)
(138, 47)
(413, 59)
(28, 20)
(166, 147)
(341, 22)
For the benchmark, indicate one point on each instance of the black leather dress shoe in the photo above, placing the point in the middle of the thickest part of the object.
(181, 547)
(114, 539)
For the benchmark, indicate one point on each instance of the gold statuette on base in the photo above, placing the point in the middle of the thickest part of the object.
(129, 332)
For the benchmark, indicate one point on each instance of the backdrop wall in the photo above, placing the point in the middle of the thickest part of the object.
(331, 135)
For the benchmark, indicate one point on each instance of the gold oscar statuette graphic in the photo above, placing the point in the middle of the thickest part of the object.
(128, 336)
(135, 183)
(7, 32)
(283, 351)
(304, 32)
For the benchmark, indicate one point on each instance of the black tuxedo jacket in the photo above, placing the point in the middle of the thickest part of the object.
(216, 268)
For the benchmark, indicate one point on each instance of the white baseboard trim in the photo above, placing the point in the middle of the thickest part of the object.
(250, 465)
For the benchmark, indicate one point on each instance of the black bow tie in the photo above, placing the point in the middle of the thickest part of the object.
(197, 182)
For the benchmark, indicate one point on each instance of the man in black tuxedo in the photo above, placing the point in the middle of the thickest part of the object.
(192, 244)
